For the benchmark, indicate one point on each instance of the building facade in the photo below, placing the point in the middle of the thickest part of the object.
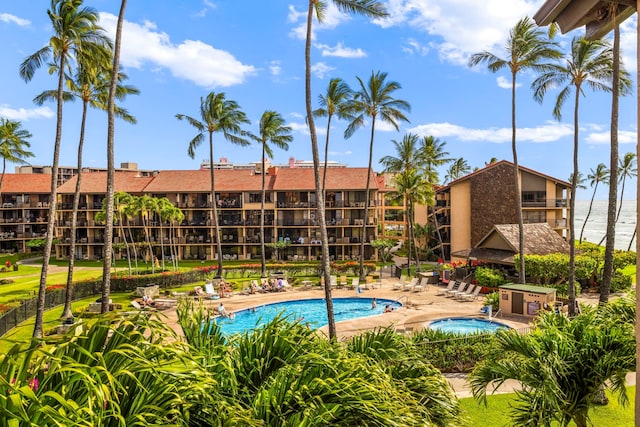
(468, 208)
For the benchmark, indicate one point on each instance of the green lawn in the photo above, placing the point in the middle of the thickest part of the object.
(496, 413)
(27, 280)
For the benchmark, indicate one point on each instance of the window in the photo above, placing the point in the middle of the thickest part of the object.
(257, 197)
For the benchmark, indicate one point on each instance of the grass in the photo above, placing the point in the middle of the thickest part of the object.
(26, 285)
(496, 413)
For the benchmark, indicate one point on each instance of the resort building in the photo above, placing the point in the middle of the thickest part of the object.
(290, 213)
(467, 209)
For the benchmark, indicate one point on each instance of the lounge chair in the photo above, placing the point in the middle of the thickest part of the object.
(343, 281)
(449, 287)
(354, 283)
(409, 286)
(368, 281)
(420, 286)
(333, 281)
(467, 291)
(453, 292)
(400, 284)
(471, 296)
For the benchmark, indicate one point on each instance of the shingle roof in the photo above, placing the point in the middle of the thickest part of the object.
(194, 181)
(540, 239)
(26, 183)
(337, 179)
(96, 182)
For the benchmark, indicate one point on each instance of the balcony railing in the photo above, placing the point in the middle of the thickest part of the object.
(545, 203)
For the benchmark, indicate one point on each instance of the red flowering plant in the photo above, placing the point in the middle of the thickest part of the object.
(52, 288)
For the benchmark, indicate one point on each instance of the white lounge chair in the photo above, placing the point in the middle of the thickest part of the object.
(453, 292)
(399, 285)
(471, 296)
(449, 287)
(421, 285)
(354, 283)
(467, 291)
(333, 281)
(210, 291)
(409, 286)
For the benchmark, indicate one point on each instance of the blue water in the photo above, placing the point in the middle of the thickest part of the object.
(462, 325)
(308, 311)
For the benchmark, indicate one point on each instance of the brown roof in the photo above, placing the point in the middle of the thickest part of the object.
(26, 183)
(194, 181)
(337, 179)
(490, 166)
(96, 182)
(540, 239)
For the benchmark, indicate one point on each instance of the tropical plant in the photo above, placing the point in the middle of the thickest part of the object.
(14, 144)
(527, 47)
(374, 100)
(433, 156)
(317, 8)
(595, 177)
(76, 35)
(272, 130)
(457, 169)
(333, 103)
(279, 246)
(560, 366)
(217, 114)
(590, 64)
(91, 87)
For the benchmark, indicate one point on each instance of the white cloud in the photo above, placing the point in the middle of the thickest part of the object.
(320, 69)
(461, 27)
(624, 137)
(275, 68)
(340, 51)
(25, 113)
(12, 19)
(297, 115)
(332, 18)
(303, 128)
(191, 60)
(549, 132)
(504, 83)
(208, 5)
(414, 47)
(628, 39)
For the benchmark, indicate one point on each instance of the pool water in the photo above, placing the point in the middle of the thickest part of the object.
(308, 311)
(463, 325)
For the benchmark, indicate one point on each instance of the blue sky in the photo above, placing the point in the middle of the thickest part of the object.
(175, 52)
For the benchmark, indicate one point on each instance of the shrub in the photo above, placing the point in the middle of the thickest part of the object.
(620, 282)
(489, 277)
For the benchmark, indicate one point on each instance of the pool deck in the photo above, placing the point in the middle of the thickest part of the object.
(418, 310)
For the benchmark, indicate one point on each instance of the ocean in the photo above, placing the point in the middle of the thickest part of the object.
(597, 223)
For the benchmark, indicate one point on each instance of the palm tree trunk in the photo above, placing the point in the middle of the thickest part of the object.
(571, 287)
(108, 229)
(160, 219)
(216, 231)
(366, 200)
(607, 268)
(53, 204)
(4, 168)
(124, 238)
(133, 246)
(326, 155)
(516, 177)
(586, 218)
(262, 255)
(635, 230)
(66, 312)
(316, 169)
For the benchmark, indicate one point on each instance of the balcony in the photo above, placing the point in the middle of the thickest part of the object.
(545, 203)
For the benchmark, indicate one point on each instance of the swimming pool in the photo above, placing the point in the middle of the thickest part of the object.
(465, 325)
(311, 311)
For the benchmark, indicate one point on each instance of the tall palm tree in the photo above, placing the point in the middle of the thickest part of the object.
(374, 100)
(590, 64)
(527, 47)
(165, 210)
(14, 144)
(76, 34)
(217, 114)
(111, 107)
(408, 155)
(317, 8)
(433, 156)
(272, 130)
(595, 177)
(458, 168)
(626, 169)
(91, 86)
(333, 102)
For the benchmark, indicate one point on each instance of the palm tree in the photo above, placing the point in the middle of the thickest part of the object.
(626, 169)
(92, 88)
(14, 144)
(561, 366)
(374, 100)
(408, 155)
(165, 210)
(590, 64)
(457, 169)
(120, 202)
(76, 35)
(272, 129)
(433, 156)
(145, 207)
(333, 102)
(111, 106)
(597, 176)
(369, 8)
(527, 48)
(217, 114)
